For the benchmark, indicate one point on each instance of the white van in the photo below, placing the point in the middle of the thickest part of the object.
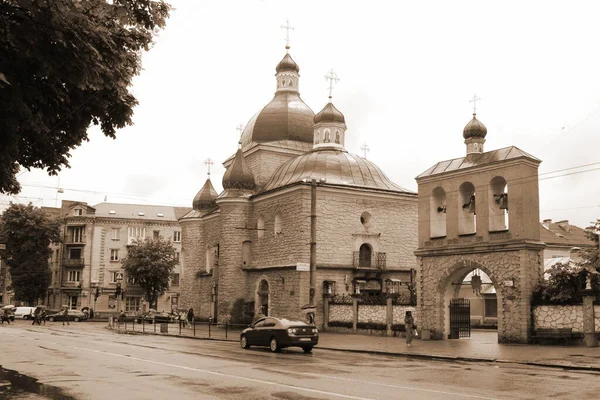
(24, 312)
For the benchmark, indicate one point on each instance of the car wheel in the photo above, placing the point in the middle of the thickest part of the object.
(244, 342)
(274, 345)
(51, 319)
(76, 319)
(307, 349)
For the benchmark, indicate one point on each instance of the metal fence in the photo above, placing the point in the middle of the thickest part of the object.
(213, 330)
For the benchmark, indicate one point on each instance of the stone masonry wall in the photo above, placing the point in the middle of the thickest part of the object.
(563, 317)
(399, 312)
(341, 312)
(263, 163)
(372, 313)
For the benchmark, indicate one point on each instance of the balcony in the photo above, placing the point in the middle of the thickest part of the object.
(70, 240)
(375, 260)
(74, 262)
(72, 284)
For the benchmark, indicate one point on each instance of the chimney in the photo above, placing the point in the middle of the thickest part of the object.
(547, 223)
(564, 225)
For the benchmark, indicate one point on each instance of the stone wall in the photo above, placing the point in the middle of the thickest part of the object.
(341, 312)
(399, 312)
(372, 313)
(563, 317)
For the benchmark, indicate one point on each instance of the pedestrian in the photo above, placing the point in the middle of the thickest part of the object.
(43, 315)
(190, 317)
(91, 313)
(65, 314)
(409, 327)
(36, 316)
(5, 316)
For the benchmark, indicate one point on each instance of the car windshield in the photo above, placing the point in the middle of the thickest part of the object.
(285, 321)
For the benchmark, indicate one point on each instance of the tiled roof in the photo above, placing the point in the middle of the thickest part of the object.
(571, 235)
(488, 157)
(140, 211)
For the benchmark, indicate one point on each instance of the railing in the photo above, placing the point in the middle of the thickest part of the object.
(376, 261)
(72, 284)
(73, 262)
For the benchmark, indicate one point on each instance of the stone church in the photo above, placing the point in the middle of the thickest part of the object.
(251, 243)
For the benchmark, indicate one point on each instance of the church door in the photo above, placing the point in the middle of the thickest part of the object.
(364, 255)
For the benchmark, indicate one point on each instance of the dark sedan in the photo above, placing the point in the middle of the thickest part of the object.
(74, 315)
(152, 317)
(278, 333)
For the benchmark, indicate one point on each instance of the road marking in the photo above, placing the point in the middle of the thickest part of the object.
(275, 383)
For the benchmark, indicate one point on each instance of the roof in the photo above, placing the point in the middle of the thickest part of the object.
(238, 175)
(330, 114)
(476, 160)
(139, 211)
(562, 233)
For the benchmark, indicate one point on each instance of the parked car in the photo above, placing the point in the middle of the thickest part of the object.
(127, 316)
(158, 317)
(10, 314)
(278, 333)
(24, 312)
(74, 315)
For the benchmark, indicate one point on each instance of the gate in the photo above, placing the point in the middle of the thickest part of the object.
(460, 318)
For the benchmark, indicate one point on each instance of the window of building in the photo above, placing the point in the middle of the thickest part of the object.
(76, 234)
(175, 280)
(155, 234)
(78, 212)
(75, 254)
(73, 302)
(135, 233)
(177, 236)
(132, 303)
(498, 210)
(467, 220)
(74, 276)
(364, 256)
(246, 253)
(278, 229)
(115, 233)
(260, 226)
(114, 254)
(177, 254)
(112, 276)
(437, 213)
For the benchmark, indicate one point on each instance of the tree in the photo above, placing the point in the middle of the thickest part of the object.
(66, 64)
(150, 263)
(27, 233)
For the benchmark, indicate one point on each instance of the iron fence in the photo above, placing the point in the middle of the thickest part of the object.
(213, 330)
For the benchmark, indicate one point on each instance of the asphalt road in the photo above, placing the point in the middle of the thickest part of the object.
(87, 361)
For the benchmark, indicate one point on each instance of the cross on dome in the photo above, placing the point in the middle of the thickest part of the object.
(474, 101)
(288, 28)
(240, 128)
(365, 148)
(208, 162)
(332, 78)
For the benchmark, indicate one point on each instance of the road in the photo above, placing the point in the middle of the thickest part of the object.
(87, 361)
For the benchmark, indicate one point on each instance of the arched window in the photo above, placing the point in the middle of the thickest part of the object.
(467, 221)
(498, 203)
(246, 253)
(327, 136)
(437, 213)
(278, 224)
(364, 256)
(260, 226)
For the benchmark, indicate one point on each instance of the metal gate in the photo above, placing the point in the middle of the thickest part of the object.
(460, 318)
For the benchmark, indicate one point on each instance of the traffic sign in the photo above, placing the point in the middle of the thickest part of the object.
(119, 276)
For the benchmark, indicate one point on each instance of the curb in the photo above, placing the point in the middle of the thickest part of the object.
(392, 354)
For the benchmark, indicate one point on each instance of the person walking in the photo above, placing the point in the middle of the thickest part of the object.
(409, 327)
(36, 316)
(65, 314)
(43, 315)
(5, 316)
(190, 317)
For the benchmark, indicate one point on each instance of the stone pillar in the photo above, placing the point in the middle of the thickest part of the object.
(354, 313)
(589, 327)
(389, 315)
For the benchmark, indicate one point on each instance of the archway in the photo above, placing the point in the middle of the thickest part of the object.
(364, 256)
(262, 301)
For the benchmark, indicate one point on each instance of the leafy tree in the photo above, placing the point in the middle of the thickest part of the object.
(66, 64)
(150, 263)
(591, 256)
(27, 233)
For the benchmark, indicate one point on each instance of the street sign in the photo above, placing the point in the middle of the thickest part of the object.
(119, 276)
(303, 267)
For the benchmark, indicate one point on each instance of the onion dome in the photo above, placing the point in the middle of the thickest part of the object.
(238, 175)
(287, 64)
(337, 167)
(206, 197)
(474, 129)
(330, 114)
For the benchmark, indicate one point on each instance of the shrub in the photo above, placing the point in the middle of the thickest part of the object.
(239, 314)
(340, 324)
(561, 288)
(372, 325)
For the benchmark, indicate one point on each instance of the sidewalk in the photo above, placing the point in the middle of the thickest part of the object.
(481, 346)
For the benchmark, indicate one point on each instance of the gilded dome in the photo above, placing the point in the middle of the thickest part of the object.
(286, 117)
(238, 175)
(474, 129)
(330, 114)
(206, 196)
(287, 64)
(338, 167)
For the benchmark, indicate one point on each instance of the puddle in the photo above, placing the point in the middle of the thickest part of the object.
(20, 383)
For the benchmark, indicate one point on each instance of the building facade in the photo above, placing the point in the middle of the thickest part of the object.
(86, 266)
(251, 244)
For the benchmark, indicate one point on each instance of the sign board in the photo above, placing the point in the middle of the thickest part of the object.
(508, 283)
(305, 267)
(119, 276)
(164, 328)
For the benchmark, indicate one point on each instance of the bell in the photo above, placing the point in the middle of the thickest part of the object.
(442, 209)
(502, 200)
(470, 206)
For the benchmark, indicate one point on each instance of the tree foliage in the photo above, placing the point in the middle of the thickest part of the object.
(27, 233)
(150, 263)
(66, 64)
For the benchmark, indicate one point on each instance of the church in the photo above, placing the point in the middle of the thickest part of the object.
(299, 218)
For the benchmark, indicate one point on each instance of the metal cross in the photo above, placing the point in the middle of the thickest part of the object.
(241, 129)
(288, 28)
(208, 162)
(474, 101)
(365, 149)
(331, 77)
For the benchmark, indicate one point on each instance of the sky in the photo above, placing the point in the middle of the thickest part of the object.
(407, 72)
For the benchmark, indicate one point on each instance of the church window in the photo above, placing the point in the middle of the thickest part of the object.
(364, 256)
(498, 204)
(278, 224)
(260, 226)
(327, 136)
(246, 253)
(467, 220)
(337, 136)
(437, 213)
(365, 219)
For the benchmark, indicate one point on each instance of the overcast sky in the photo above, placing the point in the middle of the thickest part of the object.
(407, 72)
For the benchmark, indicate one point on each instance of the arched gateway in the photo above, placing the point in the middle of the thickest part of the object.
(474, 212)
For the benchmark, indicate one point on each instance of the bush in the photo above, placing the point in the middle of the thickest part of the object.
(561, 288)
(340, 324)
(372, 325)
(239, 314)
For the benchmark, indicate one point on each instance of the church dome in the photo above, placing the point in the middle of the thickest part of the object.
(474, 129)
(337, 167)
(206, 197)
(287, 64)
(330, 114)
(238, 175)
